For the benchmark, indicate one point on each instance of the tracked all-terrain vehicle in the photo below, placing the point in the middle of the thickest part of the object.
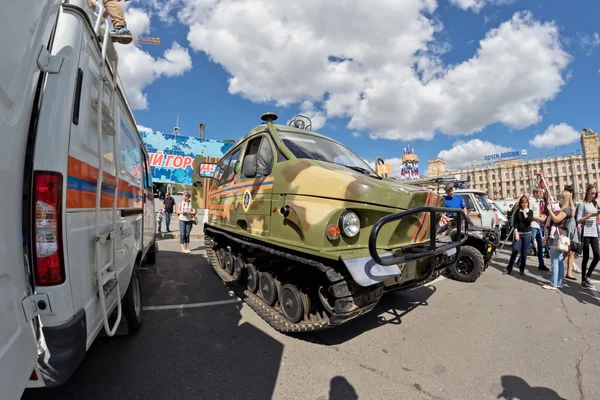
(309, 235)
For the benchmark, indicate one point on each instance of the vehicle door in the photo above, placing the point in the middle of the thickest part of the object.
(488, 215)
(256, 186)
(27, 26)
(222, 195)
(472, 210)
(148, 199)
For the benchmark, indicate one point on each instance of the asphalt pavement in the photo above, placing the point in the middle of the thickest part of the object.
(502, 337)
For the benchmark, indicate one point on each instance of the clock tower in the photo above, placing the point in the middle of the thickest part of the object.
(436, 167)
(589, 143)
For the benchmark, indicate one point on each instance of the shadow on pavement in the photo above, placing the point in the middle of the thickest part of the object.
(517, 388)
(191, 353)
(390, 310)
(539, 278)
(341, 389)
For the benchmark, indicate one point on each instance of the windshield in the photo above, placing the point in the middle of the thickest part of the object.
(483, 202)
(323, 149)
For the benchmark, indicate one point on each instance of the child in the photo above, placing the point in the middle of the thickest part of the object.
(553, 227)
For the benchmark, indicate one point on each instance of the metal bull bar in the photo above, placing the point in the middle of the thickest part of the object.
(433, 249)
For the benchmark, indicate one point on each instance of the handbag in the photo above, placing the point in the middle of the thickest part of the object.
(563, 243)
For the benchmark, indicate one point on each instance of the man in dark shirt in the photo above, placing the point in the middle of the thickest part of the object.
(167, 209)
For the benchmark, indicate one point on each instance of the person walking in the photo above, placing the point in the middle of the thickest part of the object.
(565, 223)
(186, 215)
(167, 210)
(523, 216)
(588, 217)
(536, 227)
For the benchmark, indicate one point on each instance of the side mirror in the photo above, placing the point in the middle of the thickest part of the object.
(209, 170)
(249, 167)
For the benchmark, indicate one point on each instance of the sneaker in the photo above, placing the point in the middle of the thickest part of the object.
(543, 268)
(121, 35)
(549, 287)
(588, 285)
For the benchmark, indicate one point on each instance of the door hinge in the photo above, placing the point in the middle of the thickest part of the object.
(49, 63)
(36, 304)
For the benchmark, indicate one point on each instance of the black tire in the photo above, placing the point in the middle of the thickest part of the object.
(132, 303)
(469, 265)
(151, 255)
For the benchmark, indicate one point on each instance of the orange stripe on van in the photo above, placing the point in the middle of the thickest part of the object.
(82, 184)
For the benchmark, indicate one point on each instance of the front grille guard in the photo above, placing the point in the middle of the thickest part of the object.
(433, 250)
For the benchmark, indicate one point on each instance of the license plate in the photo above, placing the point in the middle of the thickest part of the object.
(451, 252)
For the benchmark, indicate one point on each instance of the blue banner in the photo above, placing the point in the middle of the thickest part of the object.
(172, 157)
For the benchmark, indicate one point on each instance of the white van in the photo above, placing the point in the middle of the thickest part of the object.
(70, 243)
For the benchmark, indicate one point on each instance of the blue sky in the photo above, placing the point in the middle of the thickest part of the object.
(538, 75)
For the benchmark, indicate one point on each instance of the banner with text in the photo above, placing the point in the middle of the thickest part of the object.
(171, 157)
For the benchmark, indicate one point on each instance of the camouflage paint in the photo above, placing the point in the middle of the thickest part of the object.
(201, 185)
(317, 193)
(171, 157)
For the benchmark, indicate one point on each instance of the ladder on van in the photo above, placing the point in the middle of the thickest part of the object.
(106, 271)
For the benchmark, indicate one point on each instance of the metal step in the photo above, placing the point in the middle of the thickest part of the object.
(107, 268)
(105, 237)
(109, 286)
(109, 182)
(108, 276)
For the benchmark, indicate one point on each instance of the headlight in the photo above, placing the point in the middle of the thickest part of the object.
(349, 223)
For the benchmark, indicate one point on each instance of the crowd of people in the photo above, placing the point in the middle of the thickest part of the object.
(568, 229)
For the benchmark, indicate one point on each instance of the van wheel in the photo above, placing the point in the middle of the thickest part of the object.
(151, 254)
(132, 303)
(469, 265)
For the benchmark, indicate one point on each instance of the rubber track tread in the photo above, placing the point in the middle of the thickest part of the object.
(272, 316)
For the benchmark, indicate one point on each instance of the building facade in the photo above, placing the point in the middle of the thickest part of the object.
(514, 177)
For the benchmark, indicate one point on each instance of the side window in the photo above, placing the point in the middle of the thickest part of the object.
(261, 147)
(469, 203)
(235, 158)
(220, 173)
(147, 172)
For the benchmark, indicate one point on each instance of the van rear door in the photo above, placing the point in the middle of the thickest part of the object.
(25, 30)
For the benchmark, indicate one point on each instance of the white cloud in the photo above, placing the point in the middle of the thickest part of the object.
(556, 135)
(477, 5)
(143, 128)
(463, 153)
(163, 8)
(379, 63)
(138, 21)
(138, 69)
(590, 42)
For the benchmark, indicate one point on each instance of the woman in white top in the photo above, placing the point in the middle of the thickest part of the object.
(587, 216)
(186, 215)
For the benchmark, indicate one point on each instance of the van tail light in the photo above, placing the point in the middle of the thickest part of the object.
(48, 254)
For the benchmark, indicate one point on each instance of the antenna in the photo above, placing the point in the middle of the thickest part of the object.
(176, 129)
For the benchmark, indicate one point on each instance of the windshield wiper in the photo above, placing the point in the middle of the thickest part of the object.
(360, 169)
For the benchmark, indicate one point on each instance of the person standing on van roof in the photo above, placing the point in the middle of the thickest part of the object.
(454, 200)
(119, 33)
(167, 209)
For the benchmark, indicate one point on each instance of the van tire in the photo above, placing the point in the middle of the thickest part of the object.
(132, 302)
(151, 255)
